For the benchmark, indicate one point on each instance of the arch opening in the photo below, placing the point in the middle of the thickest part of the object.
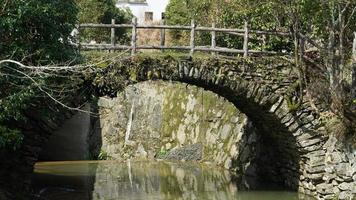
(152, 122)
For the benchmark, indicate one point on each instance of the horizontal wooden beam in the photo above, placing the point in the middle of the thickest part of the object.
(85, 46)
(81, 26)
(164, 27)
(233, 31)
(277, 33)
(104, 47)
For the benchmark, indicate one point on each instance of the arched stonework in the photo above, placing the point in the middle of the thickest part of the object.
(265, 89)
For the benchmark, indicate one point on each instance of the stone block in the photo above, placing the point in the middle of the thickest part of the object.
(105, 102)
(344, 195)
(345, 186)
(324, 188)
(316, 170)
(309, 142)
(192, 152)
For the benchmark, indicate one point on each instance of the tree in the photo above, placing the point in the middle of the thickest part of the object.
(102, 11)
(330, 24)
(353, 77)
(34, 30)
(37, 32)
(182, 12)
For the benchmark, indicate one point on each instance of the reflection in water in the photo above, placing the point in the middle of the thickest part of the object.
(139, 180)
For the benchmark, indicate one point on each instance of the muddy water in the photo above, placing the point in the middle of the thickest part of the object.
(103, 180)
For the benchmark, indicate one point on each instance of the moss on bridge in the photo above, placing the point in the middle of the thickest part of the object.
(119, 69)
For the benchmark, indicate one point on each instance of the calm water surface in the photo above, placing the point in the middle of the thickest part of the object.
(103, 180)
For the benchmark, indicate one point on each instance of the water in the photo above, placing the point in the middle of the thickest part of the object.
(104, 180)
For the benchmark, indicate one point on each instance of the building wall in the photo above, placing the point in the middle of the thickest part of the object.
(139, 9)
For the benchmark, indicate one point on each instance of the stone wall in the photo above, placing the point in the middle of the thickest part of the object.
(156, 117)
(331, 171)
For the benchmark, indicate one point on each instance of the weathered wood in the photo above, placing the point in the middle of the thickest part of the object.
(245, 47)
(213, 38)
(82, 26)
(310, 41)
(113, 33)
(302, 48)
(354, 50)
(177, 27)
(264, 43)
(237, 34)
(242, 31)
(77, 38)
(104, 47)
(197, 48)
(134, 36)
(163, 47)
(353, 84)
(276, 33)
(192, 37)
(209, 29)
(237, 51)
(163, 35)
(126, 47)
(246, 33)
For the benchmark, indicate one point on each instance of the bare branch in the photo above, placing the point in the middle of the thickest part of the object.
(54, 92)
(47, 93)
(350, 17)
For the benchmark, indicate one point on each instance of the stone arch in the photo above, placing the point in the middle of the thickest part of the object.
(262, 88)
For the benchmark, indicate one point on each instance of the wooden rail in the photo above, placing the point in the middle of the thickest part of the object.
(246, 33)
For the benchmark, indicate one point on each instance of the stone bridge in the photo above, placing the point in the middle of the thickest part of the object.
(291, 145)
(300, 153)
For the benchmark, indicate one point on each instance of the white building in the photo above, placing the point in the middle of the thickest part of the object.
(145, 10)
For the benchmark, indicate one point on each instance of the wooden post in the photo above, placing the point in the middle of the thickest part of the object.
(302, 48)
(245, 47)
(163, 35)
(77, 37)
(113, 33)
(264, 38)
(192, 36)
(134, 36)
(213, 39)
(353, 84)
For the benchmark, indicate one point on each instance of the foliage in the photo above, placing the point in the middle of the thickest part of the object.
(35, 32)
(161, 154)
(230, 14)
(10, 138)
(311, 16)
(330, 24)
(103, 155)
(102, 11)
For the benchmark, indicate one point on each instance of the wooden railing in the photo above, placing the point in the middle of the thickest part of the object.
(246, 33)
